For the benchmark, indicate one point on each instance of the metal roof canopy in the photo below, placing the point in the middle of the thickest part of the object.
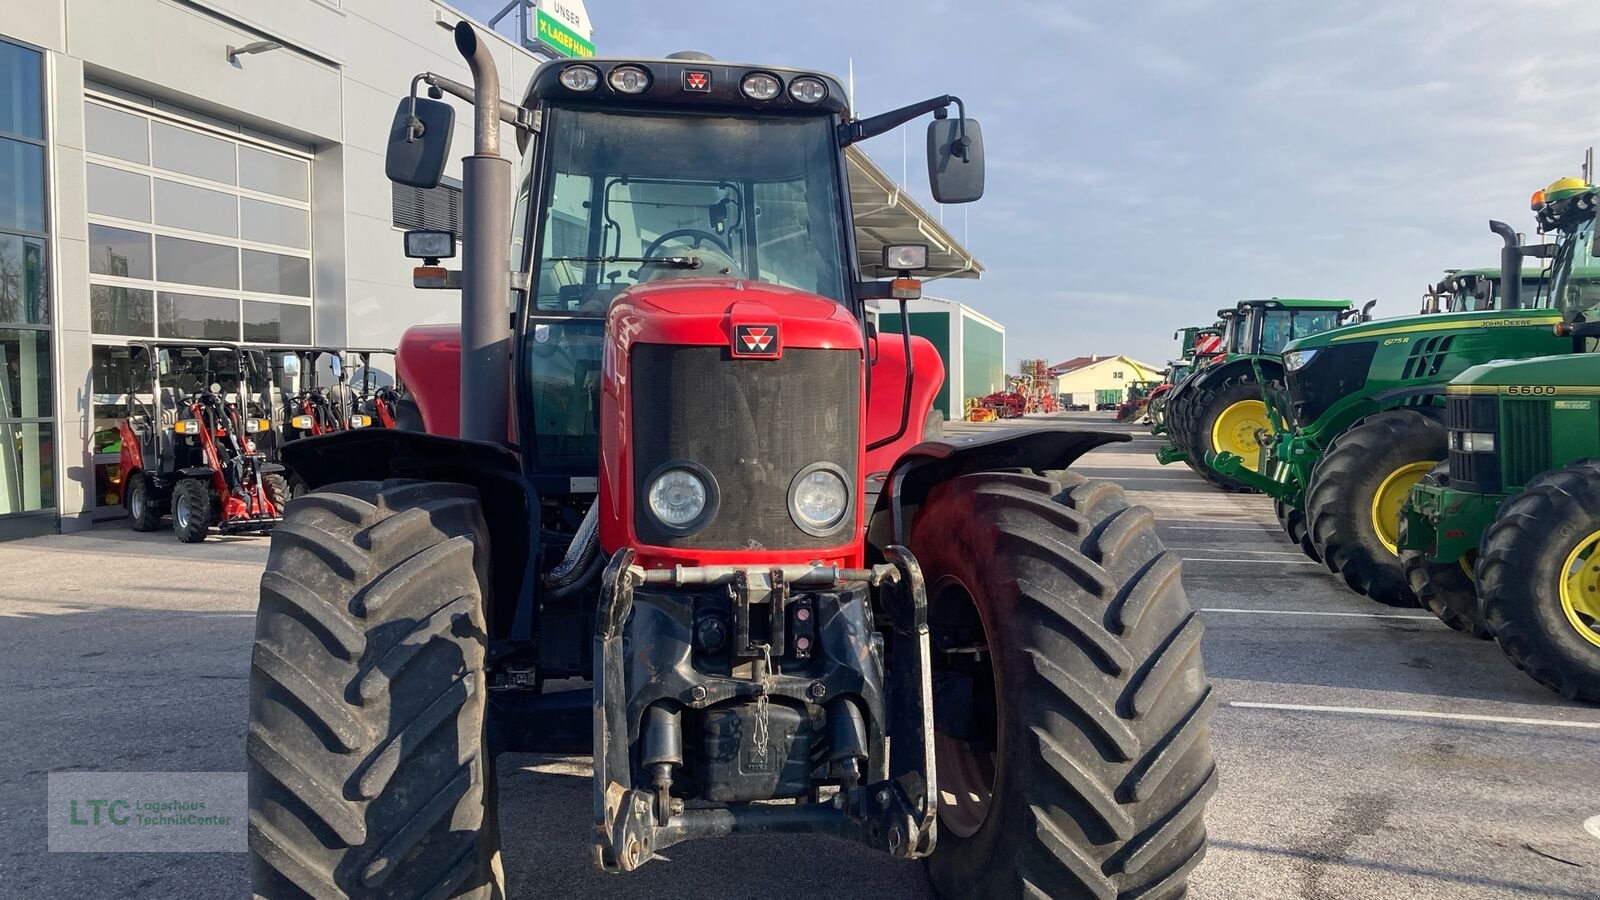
(886, 214)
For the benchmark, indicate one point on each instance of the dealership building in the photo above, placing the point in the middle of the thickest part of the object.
(213, 170)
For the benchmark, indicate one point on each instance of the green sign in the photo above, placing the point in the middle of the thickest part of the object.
(562, 40)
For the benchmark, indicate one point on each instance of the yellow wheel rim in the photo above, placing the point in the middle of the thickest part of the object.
(1469, 564)
(1234, 431)
(1580, 588)
(1391, 495)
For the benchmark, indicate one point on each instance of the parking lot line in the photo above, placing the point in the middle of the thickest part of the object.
(1236, 550)
(1308, 612)
(1593, 826)
(1413, 714)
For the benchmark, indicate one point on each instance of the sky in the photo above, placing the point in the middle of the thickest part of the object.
(1150, 161)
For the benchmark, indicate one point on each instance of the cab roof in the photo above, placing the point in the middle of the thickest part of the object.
(673, 84)
(1297, 303)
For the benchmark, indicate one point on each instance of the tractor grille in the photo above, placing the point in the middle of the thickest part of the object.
(1524, 442)
(1336, 372)
(1427, 357)
(1478, 472)
(753, 424)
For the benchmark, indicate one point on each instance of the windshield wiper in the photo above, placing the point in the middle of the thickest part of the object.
(677, 262)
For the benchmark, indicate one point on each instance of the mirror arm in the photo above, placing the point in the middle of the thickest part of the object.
(522, 119)
(872, 126)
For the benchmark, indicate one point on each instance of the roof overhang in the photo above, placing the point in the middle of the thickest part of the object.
(886, 214)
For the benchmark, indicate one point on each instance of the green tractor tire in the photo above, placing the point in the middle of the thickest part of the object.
(1445, 589)
(1539, 580)
(1225, 418)
(1356, 493)
(1293, 521)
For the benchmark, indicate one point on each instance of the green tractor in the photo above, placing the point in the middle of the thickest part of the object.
(1505, 538)
(1358, 415)
(1219, 408)
(1200, 344)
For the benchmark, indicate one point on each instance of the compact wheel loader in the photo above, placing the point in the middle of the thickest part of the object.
(712, 498)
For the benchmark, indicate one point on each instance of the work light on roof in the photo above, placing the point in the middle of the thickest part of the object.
(580, 78)
(761, 86)
(807, 89)
(629, 79)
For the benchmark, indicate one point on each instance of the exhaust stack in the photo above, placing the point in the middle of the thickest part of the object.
(485, 258)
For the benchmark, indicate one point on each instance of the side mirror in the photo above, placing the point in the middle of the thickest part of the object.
(419, 142)
(291, 365)
(955, 160)
(164, 363)
(430, 245)
(336, 366)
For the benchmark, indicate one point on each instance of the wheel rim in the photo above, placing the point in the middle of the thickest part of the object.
(966, 772)
(1390, 497)
(1234, 431)
(136, 499)
(1580, 588)
(1468, 562)
(180, 512)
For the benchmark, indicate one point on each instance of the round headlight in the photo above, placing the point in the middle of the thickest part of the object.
(761, 86)
(580, 78)
(629, 80)
(678, 497)
(808, 90)
(819, 499)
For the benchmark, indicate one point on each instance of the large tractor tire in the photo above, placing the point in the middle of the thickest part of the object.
(144, 513)
(1445, 589)
(1071, 708)
(1357, 489)
(367, 765)
(276, 487)
(1226, 418)
(1294, 525)
(191, 510)
(1539, 580)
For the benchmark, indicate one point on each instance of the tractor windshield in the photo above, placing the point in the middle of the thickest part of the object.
(637, 197)
(1575, 272)
(1284, 325)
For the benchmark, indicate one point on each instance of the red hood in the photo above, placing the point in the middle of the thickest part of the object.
(706, 311)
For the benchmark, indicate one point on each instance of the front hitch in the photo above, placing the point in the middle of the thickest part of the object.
(891, 806)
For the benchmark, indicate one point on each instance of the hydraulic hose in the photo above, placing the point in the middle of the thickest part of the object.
(581, 554)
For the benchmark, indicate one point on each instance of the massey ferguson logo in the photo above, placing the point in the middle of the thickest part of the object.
(756, 340)
(700, 82)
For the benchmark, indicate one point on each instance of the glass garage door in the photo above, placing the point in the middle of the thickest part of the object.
(196, 232)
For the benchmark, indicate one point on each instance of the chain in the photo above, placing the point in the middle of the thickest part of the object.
(761, 703)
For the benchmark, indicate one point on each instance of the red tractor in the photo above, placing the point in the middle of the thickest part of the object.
(690, 471)
(190, 441)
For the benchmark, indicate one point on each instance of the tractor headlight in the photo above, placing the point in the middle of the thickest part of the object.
(808, 90)
(629, 80)
(679, 497)
(360, 421)
(761, 86)
(580, 78)
(187, 426)
(1474, 441)
(304, 423)
(819, 499)
(256, 426)
(1295, 360)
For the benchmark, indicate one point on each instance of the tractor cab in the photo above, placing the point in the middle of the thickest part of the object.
(196, 441)
(1269, 325)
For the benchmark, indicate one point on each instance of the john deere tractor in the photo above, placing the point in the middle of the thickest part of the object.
(1506, 536)
(687, 470)
(1200, 344)
(1219, 408)
(1358, 417)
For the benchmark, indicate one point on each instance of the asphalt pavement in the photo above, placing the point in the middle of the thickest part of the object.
(1364, 752)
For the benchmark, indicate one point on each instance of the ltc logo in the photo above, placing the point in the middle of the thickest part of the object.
(700, 82)
(755, 340)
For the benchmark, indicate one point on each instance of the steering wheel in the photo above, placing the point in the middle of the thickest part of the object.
(695, 233)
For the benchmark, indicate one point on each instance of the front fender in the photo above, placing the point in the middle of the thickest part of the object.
(509, 500)
(902, 490)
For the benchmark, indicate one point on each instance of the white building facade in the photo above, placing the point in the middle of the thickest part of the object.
(157, 184)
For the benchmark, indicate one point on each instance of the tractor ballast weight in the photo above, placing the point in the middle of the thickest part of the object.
(714, 500)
